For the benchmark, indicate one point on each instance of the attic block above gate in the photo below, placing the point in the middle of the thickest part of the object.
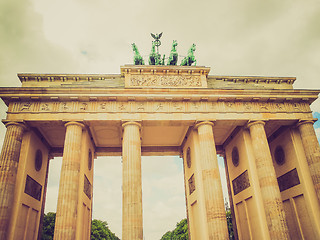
(164, 76)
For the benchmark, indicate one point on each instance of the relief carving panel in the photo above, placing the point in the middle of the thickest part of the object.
(87, 188)
(192, 184)
(33, 188)
(241, 182)
(158, 106)
(145, 80)
(288, 180)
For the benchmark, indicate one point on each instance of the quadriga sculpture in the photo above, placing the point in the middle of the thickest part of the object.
(188, 60)
(137, 59)
(173, 58)
(155, 57)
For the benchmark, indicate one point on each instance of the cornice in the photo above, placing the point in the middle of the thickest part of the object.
(146, 69)
(36, 77)
(107, 94)
(254, 79)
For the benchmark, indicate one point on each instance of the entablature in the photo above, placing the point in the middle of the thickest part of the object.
(140, 76)
(149, 95)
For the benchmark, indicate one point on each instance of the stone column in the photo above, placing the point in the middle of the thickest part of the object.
(132, 224)
(66, 217)
(9, 160)
(212, 188)
(270, 192)
(312, 151)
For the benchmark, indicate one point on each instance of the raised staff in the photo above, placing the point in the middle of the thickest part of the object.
(155, 57)
(156, 41)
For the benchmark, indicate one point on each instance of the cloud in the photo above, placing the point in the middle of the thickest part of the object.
(24, 47)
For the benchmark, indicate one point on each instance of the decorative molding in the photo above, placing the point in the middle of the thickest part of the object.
(256, 80)
(165, 77)
(165, 81)
(167, 106)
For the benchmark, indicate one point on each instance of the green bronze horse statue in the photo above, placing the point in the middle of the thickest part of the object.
(188, 60)
(173, 58)
(137, 59)
(154, 57)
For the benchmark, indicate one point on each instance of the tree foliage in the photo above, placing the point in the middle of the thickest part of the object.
(48, 226)
(99, 229)
(179, 233)
(229, 222)
(181, 230)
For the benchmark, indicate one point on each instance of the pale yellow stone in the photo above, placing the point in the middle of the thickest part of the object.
(213, 197)
(312, 150)
(132, 223)
(167, 101)
(9, 160)
(66, 216)
(271, 197)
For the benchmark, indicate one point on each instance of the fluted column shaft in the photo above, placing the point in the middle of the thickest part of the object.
(66, 217)
(212, 188)
(9, 160)
(268, 182)
(312, 151)
(132, 223)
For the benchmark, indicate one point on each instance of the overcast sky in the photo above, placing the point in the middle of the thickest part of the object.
(233, 37)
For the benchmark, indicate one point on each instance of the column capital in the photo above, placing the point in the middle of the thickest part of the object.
(253, 122)
(304, 121)
(199, 123)
(16, 123)
(126, 123)
(74, 123)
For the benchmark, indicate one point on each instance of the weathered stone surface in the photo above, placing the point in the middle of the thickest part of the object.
(270, 192)
(132, 224)
(312, 150)
(9, 160)
(66, 217)
(213, 197)
(168, 101)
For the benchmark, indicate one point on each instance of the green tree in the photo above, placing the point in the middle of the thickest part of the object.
(99, 229)
(181, 230)
(179, 233)
(229, 222)
(48, 226)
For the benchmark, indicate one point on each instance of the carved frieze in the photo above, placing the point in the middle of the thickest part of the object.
(137, 80)
(157, 106)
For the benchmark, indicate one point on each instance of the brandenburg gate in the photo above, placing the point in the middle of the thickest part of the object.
(260, 125)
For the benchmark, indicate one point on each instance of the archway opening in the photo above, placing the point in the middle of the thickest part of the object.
(163, 195)
(163, 192)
